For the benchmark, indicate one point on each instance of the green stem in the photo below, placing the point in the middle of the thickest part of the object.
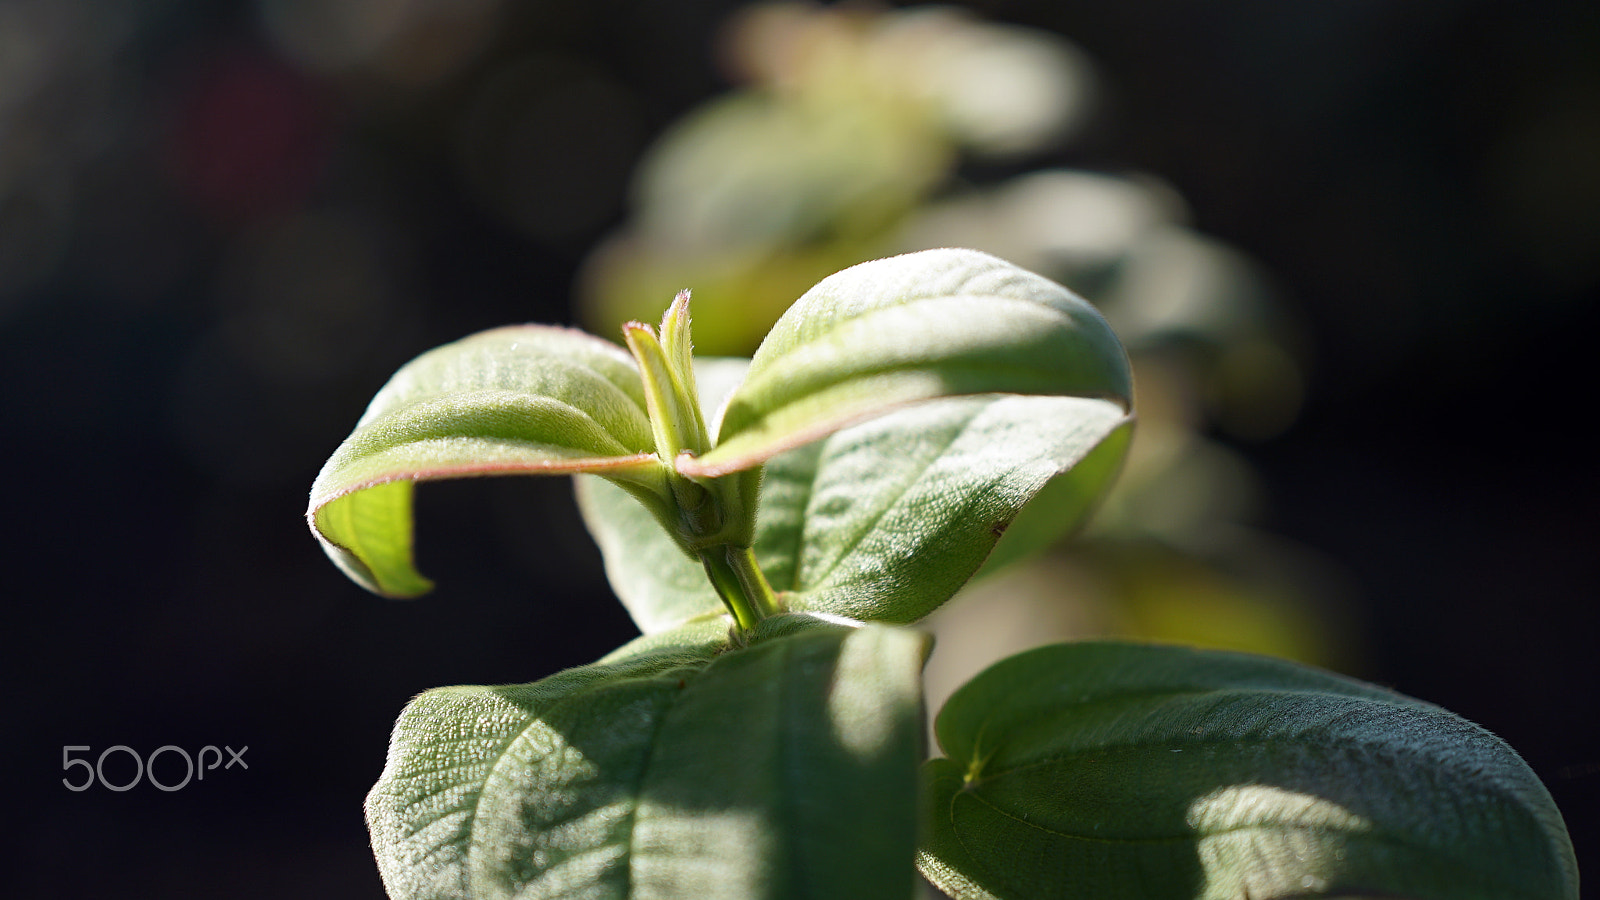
(739, 581)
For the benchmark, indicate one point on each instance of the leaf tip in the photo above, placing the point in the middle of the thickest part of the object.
(633, 330)
(679, 307)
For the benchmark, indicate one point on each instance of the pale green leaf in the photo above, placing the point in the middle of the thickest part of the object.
(1065, 504)
(521, 400)
(661, 585)
(755, 170)
(888, 519)
(914, 327)
(885, 520)
(1108, 770)
(681, 769)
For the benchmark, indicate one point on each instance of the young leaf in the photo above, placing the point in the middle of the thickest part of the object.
(528, 399)
(661, 586)
(601, 781)
(1108, 770)
(913, 327)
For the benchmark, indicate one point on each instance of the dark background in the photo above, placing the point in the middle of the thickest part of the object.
(212, 254)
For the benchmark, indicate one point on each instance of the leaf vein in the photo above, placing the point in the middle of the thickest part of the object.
(860, 534)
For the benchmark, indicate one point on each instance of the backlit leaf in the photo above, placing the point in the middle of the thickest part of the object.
(521, 400)
(914, 327)
(888, 519)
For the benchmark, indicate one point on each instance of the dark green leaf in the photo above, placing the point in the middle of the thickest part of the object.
(677, 768)
(1106, 771)
(522, 400)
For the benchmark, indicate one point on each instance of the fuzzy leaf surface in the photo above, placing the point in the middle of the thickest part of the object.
(675, 768)
(885, 520)
(1110, 770)
(914, 327)
(528, 399)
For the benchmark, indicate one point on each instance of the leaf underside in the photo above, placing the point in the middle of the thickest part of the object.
(528, 399)
(1105, 770)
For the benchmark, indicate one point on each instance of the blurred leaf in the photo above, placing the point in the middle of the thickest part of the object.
(600, 781)
(529, 399)
(754, 168)
(1177, 285)
(1001, 90)
(738, 291)
(1168, 596)
(908, 328)
(1071, 225)
(1105, 770)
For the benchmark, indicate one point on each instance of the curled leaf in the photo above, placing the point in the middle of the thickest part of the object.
(527, 399)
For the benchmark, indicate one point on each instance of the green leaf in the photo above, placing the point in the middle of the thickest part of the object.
(914, 327)
(789, 773)
(681, 768)
(1065, 504)
(886, 520)
(1109, 770)
(883, 521)
(528, 399)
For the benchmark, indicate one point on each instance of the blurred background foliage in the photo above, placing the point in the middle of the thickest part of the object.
(856, 133)
(1354, 249)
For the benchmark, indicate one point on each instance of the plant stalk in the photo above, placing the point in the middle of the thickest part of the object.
(740, 583)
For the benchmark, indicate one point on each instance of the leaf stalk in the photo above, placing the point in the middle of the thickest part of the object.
(740, 583)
